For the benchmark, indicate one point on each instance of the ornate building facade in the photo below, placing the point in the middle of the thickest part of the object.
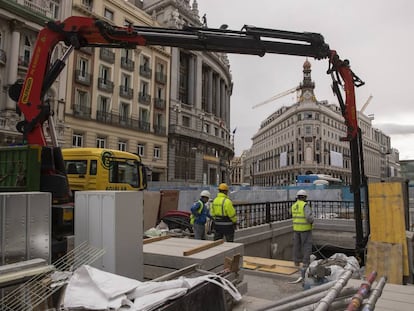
(305, 139)
(118, 98)
(200, 145)
(20, 22)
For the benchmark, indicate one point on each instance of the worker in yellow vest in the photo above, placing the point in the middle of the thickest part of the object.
(224, 215)
(199, 215)
(302, 218)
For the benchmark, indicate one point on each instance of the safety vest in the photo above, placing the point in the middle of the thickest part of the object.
(199, 210)
(298, 217)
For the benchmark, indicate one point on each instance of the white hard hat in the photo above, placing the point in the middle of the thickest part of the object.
(301, 193)
(205, 193)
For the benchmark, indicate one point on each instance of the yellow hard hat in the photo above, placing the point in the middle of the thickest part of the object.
(223, 187)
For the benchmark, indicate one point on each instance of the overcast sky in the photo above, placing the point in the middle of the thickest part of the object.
(377, 36)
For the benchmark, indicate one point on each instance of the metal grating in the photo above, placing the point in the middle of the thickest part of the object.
(39, 288)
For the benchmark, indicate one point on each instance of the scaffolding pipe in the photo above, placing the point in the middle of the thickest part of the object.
(306, 293)
(375, 294)
(335, 305)
(334, 291)
(311, 300)
(362, 293)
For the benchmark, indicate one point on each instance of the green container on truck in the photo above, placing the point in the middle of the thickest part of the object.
(20, 168)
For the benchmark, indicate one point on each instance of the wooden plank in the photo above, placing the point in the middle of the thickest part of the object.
(387, 217)
(386, 259)
(155, 239)
(280, 270)
(202, 247)
(249, 266)
(233, 264)
(267, 261)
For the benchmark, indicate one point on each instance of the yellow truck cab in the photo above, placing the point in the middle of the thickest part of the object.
(103, 169)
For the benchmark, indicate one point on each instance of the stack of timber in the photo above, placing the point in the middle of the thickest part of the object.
(269, 265)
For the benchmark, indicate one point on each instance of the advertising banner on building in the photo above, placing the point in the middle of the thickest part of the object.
(337, 159)
(283, 159)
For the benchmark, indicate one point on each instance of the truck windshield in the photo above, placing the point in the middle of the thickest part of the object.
(124, 172)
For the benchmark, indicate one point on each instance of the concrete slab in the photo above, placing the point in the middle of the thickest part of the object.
(167, 255)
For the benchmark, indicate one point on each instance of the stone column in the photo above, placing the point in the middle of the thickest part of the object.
(191, 80)
(198, 81)
(210, 91)
(223, 100)
(13, 58)
(218, 108)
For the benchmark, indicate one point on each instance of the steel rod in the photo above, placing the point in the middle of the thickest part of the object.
(375, 294)
(334, 291)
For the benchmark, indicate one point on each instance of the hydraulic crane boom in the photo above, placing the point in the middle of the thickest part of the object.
(77, 32)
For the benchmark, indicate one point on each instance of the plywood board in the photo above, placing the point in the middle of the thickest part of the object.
(280, 270)
(169, 201)
(386, 259)
(268, 262)
(387, 217)
(151, 208)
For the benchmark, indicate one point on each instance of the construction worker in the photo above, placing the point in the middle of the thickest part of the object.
(302, 219)
(199, 214)
(224, 215)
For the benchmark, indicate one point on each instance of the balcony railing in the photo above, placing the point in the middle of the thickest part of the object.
(126, 92)
(105, 85)
(144, 98)
(127, 63)
(107, 55)
(3, 58)
(122, 121)
(83, 77)
(145, 71)
(35, 7)
(159, 129)
(160, 77)
(82, 111)
(87, 49)
(159, 103)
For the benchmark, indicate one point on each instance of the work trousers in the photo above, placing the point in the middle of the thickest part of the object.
(302, 247)
(229, 236)
(199, 231)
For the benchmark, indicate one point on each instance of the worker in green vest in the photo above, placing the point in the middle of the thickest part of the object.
(224, 215)
(302, 219)
(199, 215)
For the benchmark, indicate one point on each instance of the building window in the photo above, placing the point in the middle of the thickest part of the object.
(103, 104)
(141, 150)
(183, 78)
(108, 14)
(82, 98)
(186, 121)
(100, 142)
(105, 74)
(157, 152)
(128, 23)
(77, 140)
(126, 82)
(124, 111)
(144, 88)
(83, 68)
(88, 4)
(27, 51)
(54, 9)
(206, 128)
(122, 145)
